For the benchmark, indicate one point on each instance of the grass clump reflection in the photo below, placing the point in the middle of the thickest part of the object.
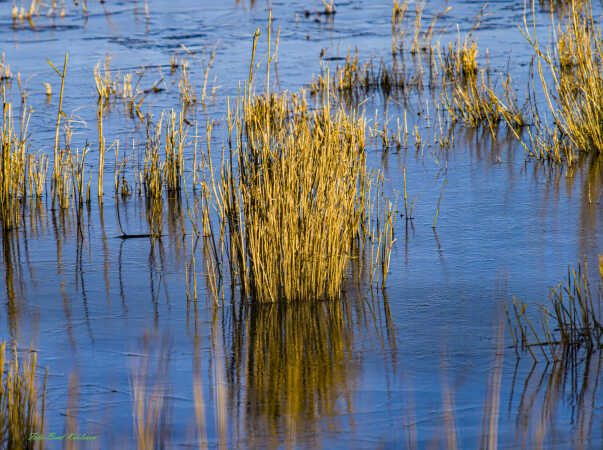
(295, 361)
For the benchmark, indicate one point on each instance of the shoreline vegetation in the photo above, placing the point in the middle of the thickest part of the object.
(293, 224)
(467, 95)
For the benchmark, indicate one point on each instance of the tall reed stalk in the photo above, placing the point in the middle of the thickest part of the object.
(56, 175)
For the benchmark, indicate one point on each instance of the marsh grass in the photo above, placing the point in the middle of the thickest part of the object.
(81, 187)
(298, 196)
(113, 87)
(26, 13)
(164, 154)
(571, 75)
(467, 91)
(354, 80)
(23, 174)
(398, 13)
(102, 148)
(107, 85)
(153, 166)
(560, 7)
(22, 402)
(411, 43)
(175, 137)
(570, 322)
(121, 186)
(207, 69)
(293, 195)
(58, 185)
(28, 10)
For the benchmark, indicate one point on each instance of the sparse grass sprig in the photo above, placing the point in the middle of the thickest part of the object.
(81, 187)
(22, 13)
(115, 86)
(353, 80)
(187, 94)
(381, 234)
(58, 177)
(398, 13)
(107, 85)
(153, 166)
(207, 69)
(175, 136)
(62, 178)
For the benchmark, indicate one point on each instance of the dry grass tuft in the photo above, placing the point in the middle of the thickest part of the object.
(294, 195)
(296, 202)
(22, 174)
(467, 92)
(571, 75)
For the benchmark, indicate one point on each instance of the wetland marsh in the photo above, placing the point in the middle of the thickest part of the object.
(291, 224)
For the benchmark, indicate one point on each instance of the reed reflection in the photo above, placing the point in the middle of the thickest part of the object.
(13, 285)
(544, 390)
(16, 265)
(293, 366)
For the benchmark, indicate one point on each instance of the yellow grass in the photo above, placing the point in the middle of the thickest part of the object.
(21, 412)
(22, 174)
(297, 195)
(294, 194)
(571, 74)
(468, 94)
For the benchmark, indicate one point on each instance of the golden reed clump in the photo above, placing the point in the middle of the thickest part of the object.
(571, 75)
(296, 199)
(22, 174)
